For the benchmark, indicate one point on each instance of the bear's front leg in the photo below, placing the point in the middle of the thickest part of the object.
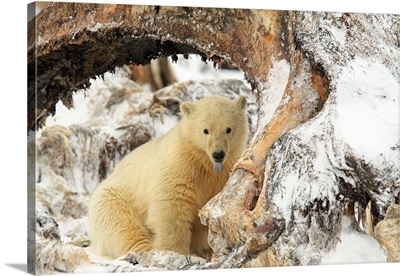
(171, 221)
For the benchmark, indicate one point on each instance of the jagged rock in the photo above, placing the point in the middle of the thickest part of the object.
(387, 233)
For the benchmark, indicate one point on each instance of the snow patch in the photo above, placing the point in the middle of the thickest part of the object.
(354, 247)
(339, 34)
(66, 117)
(368, 109)
(277, 80)
(163, 124)
(284, 198)
(95, 28)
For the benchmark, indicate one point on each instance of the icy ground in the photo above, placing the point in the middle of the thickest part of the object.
(353, 247)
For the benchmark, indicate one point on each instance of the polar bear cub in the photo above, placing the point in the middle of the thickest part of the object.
(152, 198)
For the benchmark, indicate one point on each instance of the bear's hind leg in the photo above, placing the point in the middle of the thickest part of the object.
(134, 236)
(116, 227)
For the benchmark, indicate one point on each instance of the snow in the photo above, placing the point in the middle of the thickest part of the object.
(95, 28)
(339, 34)
(368, 109)
(162, 127)
(285, 197)
(354, 247)
(65, 117)
(277, 79)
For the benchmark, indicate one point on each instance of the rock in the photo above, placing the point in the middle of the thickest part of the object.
(387, 233)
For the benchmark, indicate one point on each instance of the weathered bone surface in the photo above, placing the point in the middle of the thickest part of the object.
(314, 174)
(387, 232)
(68, 43)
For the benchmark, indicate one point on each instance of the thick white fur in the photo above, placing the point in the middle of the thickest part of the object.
(152, 199)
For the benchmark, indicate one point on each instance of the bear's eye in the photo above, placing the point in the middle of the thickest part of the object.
(228, 130)
(205, 131)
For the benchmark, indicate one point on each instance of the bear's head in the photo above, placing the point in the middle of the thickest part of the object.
(217, 126)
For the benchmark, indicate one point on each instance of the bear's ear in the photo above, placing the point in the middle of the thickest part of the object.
(187, 108)
(241, 102)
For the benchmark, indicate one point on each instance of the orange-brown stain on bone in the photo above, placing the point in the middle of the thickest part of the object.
(319, 84)
(269, 37)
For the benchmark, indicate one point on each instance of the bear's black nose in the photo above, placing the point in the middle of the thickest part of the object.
(218, 156)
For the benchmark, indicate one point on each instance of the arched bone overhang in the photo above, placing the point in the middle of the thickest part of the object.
(69, 43)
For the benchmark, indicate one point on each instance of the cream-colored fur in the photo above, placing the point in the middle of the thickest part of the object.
(152, 199)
